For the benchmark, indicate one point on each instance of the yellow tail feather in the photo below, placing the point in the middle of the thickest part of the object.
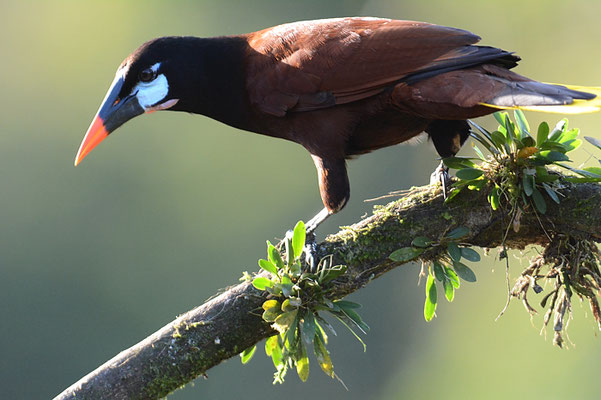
(577, 107)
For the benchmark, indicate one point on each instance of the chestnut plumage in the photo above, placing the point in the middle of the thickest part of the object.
(338, 87)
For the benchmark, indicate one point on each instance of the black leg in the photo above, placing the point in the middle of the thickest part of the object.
(448, 136)
(441, 174)
(310, 249)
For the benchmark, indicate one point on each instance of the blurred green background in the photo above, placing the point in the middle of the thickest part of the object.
(174, 206)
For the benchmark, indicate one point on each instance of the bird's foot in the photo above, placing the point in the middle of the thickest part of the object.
(441, 174)
(310, 249)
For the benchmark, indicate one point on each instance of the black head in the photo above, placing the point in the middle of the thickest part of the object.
(141, 85)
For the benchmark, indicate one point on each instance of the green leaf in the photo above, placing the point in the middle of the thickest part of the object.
(558, 130)
(345, 304)
(539, 201)
(458, 162)
(478, 152)
(500, 116)
(458, 232)
(357, 320)
(273, 348)
(494, 199)
(499, 140)
(271, 314)
(510, 129)
(551, 193)
(553, 155)
(287, 306)
(477, 184)
(274, 256)
(332, 273)
(431, 298)
(449, 290)
(298, 239)
(269, 304)
(470, 254)
(594, 171)
(451, 195)
(286, 286)
(546, 178)
(438, 271)
(522, 122)
(452, 277)
(405, 254)
(421, 241)
(464, 272)
(295, 269)
(323, 356)
(469, 173)
(556, 146)
(574, 179)
(290, 334)
(261, 283)
(569, 136)
(247, 354)
(270, 343)
(308, 328)
(484, 138)
(594, 141)
(319, 331)
(283, 321)
(289, 250)
(268, 266)
(543, 132)
(528, 184)
(302, 364)
(527, 142)
(572, 144)
(454, 251)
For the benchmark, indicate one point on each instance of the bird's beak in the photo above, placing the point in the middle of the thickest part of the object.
(113, 113)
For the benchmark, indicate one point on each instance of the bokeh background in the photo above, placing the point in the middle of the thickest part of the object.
(174, 206)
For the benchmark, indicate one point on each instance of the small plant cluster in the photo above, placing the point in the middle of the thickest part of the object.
(294, 302)
(517, 173)
(516, 176)
(571, 267)
(446, 267)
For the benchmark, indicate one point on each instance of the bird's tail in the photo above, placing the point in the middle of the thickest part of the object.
(549, 98)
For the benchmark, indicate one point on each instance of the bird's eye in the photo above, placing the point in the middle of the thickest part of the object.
(147, 75)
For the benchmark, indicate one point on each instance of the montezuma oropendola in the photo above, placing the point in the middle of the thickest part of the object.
(339, 87)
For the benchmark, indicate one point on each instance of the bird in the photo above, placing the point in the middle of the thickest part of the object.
(339, 87)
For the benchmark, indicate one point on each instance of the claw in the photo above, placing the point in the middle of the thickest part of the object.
(310, 251)
(441, 174)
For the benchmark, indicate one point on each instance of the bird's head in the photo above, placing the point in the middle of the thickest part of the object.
(140, 86)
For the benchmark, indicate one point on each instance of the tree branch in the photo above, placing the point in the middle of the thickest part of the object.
(231, 321)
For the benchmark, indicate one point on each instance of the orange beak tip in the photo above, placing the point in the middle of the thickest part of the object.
(96, 133)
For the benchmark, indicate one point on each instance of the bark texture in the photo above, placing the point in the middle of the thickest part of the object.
(231, 321)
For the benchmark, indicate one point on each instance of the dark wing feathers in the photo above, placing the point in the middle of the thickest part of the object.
(315, 64)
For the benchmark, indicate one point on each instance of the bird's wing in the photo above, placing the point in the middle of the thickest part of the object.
(310, 65)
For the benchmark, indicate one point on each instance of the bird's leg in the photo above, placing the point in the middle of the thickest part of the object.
(441, 174)
(448, 136)
(310, 249)
(314, 222)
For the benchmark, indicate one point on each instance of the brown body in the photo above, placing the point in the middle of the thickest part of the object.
(337, 88)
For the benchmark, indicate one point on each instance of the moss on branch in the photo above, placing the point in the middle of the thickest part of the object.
(231, 322)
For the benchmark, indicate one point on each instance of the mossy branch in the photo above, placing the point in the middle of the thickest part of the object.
(231, 321)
